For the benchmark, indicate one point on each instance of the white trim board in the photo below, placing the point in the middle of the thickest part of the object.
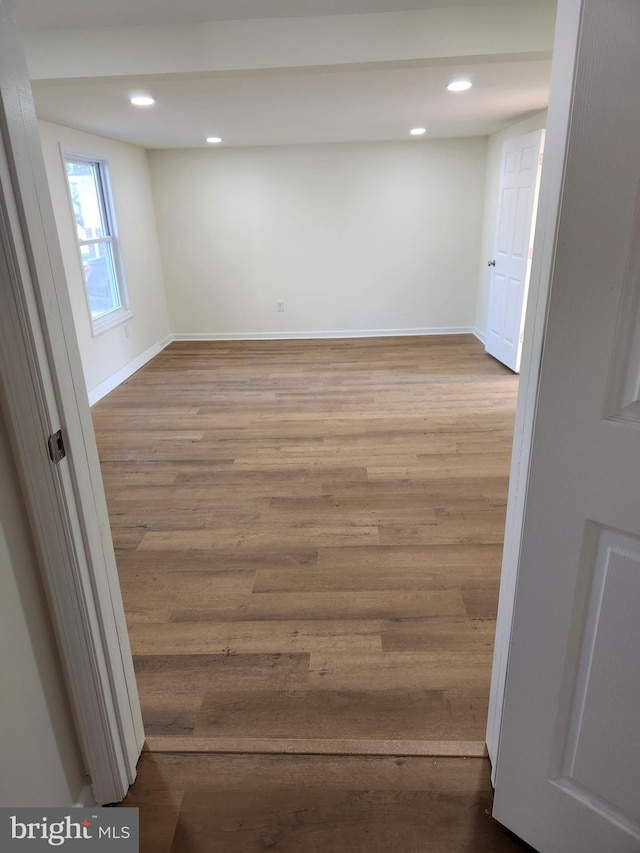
(125, 372)
(339, 333)
(480, 335)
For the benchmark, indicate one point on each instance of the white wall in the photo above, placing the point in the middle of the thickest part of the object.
(40, 762)
(492, 190)
(370, 237)
(111, 351)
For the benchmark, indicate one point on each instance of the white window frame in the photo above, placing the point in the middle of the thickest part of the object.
(119, 315)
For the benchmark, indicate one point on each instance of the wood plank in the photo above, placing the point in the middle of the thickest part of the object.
(347, 714)
(478, 492)
(214, 562)
(401, 567)
(182, 589)
(173, 674)
(439, 670)
(480, 528)
(265, 535)
(438, 634)
(367, 604)
(170, 715)
(356, 511)
(446, 466)
(447, 559)
(481, 603)
(316, 746)
(255, 637)
(273, 480)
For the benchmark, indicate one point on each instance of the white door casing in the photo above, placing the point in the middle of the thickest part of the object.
(558, 121)
(568, 763)
(43, 390)
(517, 205)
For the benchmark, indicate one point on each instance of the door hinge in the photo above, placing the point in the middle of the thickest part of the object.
(530, 253)
(540, 159)
(57, 450)
(521, 337)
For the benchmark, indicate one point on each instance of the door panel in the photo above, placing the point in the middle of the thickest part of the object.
(514, 238)
(522, 221)
(513, 310)
(568, 765)
(597, 761)
(504, 220)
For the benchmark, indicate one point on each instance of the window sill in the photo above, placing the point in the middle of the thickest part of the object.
(110, 321)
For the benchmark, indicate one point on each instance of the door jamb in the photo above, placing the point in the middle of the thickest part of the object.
(557, 133)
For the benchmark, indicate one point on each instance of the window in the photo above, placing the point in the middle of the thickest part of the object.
(90, 200)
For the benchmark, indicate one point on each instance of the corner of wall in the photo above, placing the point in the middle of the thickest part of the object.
(125, 372)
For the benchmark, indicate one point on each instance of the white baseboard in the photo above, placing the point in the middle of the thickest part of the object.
(125, 372)
(339, 333)
(480, 335)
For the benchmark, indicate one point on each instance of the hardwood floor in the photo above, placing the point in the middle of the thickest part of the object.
(315, 804)
(309, 537)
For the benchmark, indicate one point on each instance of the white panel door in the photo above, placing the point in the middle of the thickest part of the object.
(511, 263)
(568, 763)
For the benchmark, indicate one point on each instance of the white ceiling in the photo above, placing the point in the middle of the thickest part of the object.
(226, 82)
(290, 108)
(48, 14)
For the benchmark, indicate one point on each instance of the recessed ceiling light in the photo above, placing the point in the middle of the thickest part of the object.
(418, 131)
(142, 100)
(459, 85)
(213, 140)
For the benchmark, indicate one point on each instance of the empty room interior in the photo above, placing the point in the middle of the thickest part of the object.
(284, 269)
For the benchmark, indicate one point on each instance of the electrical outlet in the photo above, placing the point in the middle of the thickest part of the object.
(280, 305)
